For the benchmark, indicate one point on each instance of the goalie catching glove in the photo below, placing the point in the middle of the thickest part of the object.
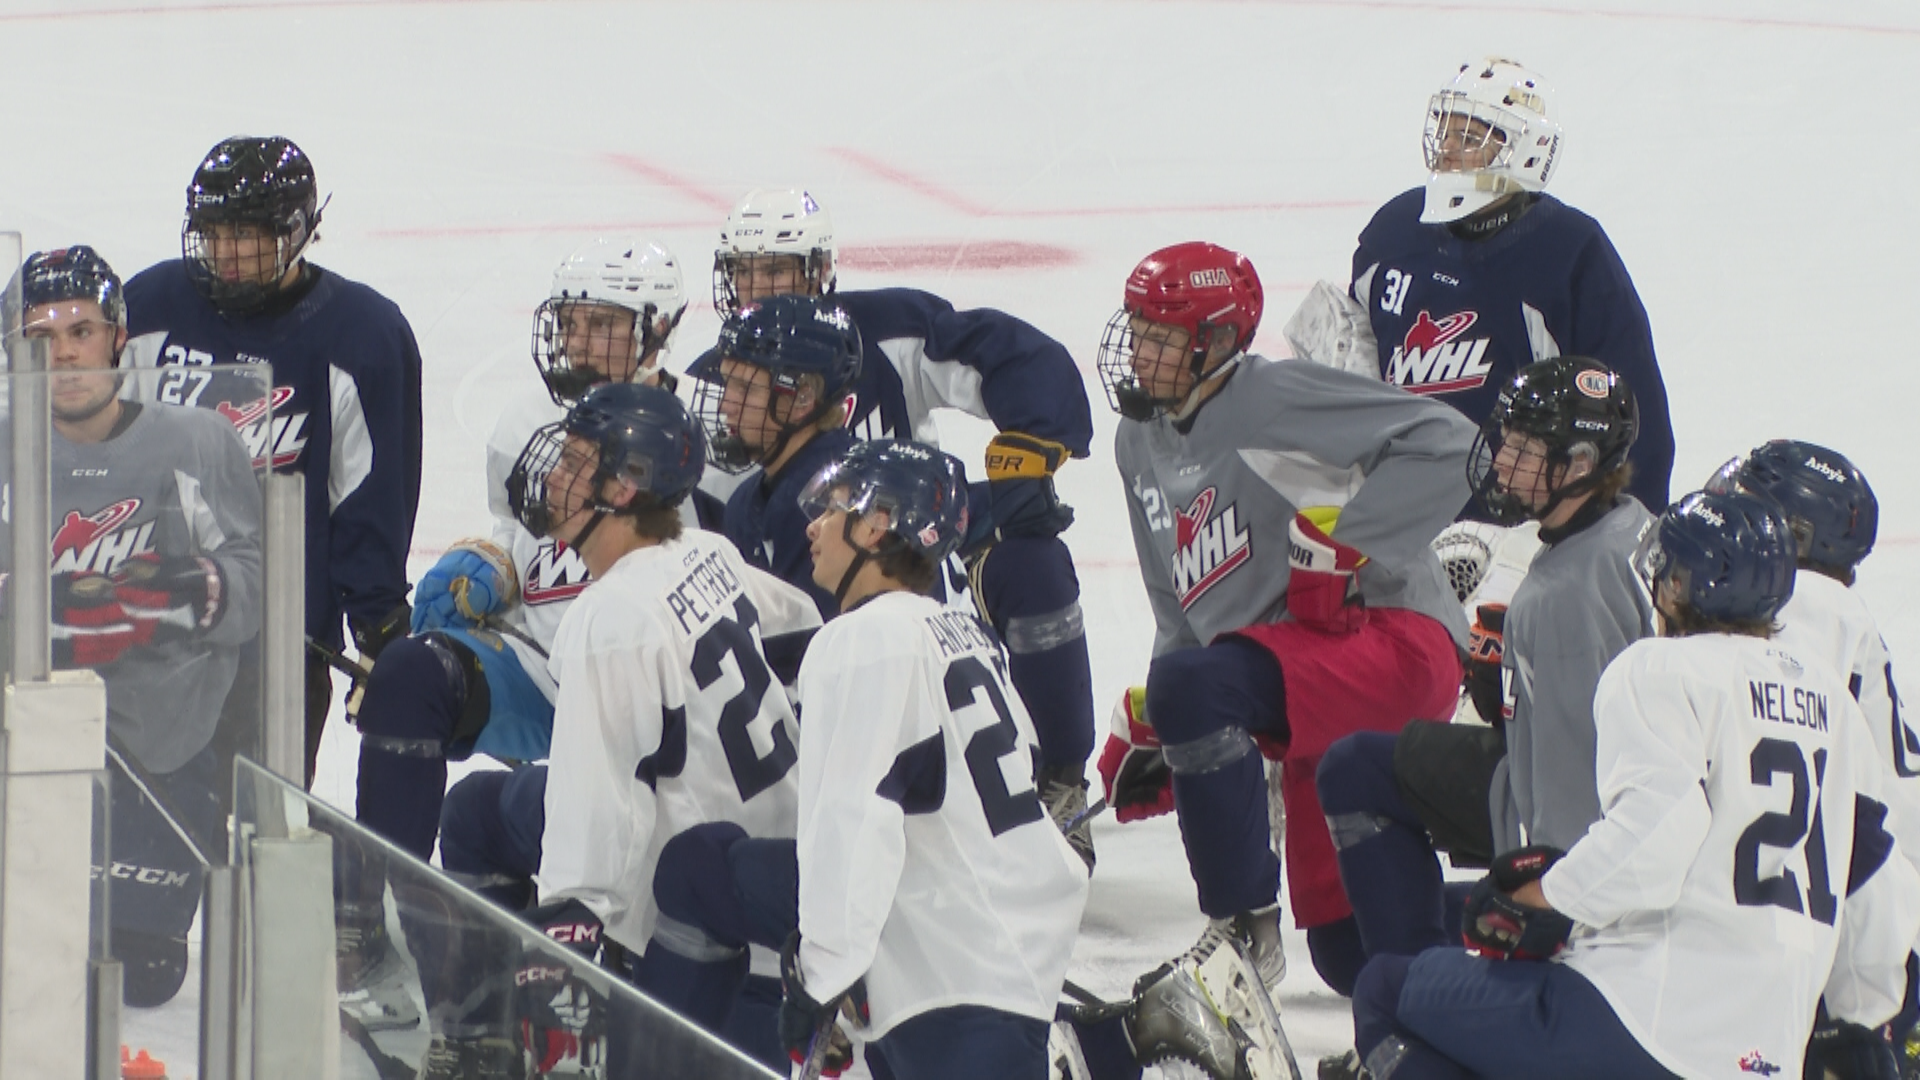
(474, 580)
(1020, 470)
(1320, 586)
(1134, 770)
(1497, 926)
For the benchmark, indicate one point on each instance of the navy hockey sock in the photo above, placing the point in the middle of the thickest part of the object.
(702, 990)
(1387, 862)
(1337, 954)
(1029, 591)
(405, 723)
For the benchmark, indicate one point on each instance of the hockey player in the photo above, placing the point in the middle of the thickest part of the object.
(346, 370)
(919, 355)
(778, 399)
(929, 891)
(1740, 867)
(473, 678)
(1553, 451)
(667, 715)
(1461, 283)
(1282, 512)
(157, 586)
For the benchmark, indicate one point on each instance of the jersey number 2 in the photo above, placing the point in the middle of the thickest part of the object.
(1778, 757)
(752, 773)
(1004, 809)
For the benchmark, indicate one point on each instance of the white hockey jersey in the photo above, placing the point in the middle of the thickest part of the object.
(1711, 897)
(667, 717)
(927, 863)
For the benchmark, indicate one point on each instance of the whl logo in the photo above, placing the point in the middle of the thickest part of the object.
(279, 440)
(555, 573)
(97, 542)
(1208, 547)
(1434, 360)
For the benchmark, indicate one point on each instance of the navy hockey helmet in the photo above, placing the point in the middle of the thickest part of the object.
(75, 273)
(921, 490)
(248, 183)
(810, 350)
(1577, 407)
(642, 435)
(1833, 513)
(1729, 556)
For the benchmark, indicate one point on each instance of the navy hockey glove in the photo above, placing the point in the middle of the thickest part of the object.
(371, 637)
(178, 596)
(1499, 927)
(1842, 1051)
(561, 1017)
(89, 627)
(475, 579)
(1133, 768)
(804, 1020)
(1020, 470)
(1484, 649)
(1320, 586)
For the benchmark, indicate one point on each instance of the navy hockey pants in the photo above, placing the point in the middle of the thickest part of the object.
(967, 1041)
(1449, 1015)
(1028, 590)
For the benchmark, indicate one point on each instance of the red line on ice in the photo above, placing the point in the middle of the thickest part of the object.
(658, 175)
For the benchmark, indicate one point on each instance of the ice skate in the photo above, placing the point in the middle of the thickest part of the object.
(1213, 1006)
(472, 1059)
(374, 979)
(1065, 797)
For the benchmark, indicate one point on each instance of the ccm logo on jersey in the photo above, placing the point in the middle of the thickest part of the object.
(97, 542)
(280, 436)
(1433, 360)
(1209, 548)
(554, 573)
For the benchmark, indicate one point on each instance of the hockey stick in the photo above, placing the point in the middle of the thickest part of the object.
(1092, 1008)
(356, 671)
(1099, 807)
(385, 1064)
(819, 1047)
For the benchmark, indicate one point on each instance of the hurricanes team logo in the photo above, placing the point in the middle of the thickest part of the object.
(1208, 547)
(1752, 1062)
(1435, 359)
(99, 542)
(555, 573)
(270, 434)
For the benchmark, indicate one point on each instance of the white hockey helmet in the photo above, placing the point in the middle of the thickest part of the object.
(767, 222)
(642, 277)
(1504, 107)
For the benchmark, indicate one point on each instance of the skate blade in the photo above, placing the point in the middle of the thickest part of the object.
(1236, 994)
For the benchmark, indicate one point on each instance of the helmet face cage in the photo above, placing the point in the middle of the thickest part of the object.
(1574, 407)
(756, 392)
(783, 348)
(920, 494)
(1487, 136)
(251, 211)
(813, 271)
(771, 231)
(527, 482)
(1201, 288)
(579, 344)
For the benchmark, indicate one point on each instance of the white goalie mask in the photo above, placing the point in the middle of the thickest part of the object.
(1487, 136)
(774, 223)
(575, 342)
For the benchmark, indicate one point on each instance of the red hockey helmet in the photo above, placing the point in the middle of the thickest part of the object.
(1201, 288)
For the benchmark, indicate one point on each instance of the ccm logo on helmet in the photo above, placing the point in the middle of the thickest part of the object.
(1209, 279)
(1592, 383)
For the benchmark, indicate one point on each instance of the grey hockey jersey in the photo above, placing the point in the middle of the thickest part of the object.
(176, 481)
(1580, 604)
(1210, 506)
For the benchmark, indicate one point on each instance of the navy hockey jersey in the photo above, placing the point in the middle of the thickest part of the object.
(346, 414)
(764, 519)
(1455, 319)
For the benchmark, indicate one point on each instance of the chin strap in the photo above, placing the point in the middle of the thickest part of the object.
(1190, 405)
(860, 557)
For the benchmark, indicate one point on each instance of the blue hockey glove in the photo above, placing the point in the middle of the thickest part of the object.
(473, 580)
(1499, 927)
(1849, 1052)
(803, 1020)
(1020, 470)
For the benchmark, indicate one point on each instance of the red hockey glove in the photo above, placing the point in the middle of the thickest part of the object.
(1484, 649)
(805, 1021)
(1320, 586)
(89, 627)
(1132, 767)
(176, 596)
(1499, 927)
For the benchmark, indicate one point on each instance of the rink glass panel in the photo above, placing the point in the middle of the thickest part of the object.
(458, 953)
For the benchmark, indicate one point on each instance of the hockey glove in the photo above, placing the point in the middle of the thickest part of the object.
(1320, 586)
(1842, 1051)
(1020, 470)
(1484, 649)
(560, 1015)
(177, 596)
(1133, 768)
(1499, 927)
(371, 637)
(473, 580)
(804, 1020)
(89, 626)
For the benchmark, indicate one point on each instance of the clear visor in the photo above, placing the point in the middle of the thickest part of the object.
(1724, 480)
(832, 490)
